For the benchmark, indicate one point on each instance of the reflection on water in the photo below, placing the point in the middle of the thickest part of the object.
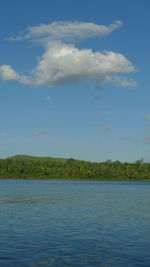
(74, 223)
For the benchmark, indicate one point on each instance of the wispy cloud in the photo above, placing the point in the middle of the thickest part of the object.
(108, 128)
(123, 81)
(99, 88)
(48, 98)
(97, 97)
(39, 133)
(146, 139)
(63, 63)
(130, 139)
(145, 116)
(66, 31)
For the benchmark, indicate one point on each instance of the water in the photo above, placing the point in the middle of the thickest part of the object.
(74, 223)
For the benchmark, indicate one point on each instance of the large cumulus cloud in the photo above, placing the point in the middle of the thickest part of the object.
(62, 62)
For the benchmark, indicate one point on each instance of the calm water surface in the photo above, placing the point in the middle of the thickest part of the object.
(74, 223)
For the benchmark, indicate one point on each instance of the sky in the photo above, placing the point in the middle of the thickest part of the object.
(74, 79)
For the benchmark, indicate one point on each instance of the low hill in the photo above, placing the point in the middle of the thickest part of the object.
(36, 158)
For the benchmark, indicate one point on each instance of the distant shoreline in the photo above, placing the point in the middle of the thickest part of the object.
(77, 179)
(29, 167)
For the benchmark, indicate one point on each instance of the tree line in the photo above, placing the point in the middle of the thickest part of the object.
(50, 168)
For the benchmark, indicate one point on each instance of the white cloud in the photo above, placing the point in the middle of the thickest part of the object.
(67, 31)
(123, 81)
(9, 74)
(63, 63)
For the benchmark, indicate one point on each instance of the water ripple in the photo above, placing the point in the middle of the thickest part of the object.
(74, 223)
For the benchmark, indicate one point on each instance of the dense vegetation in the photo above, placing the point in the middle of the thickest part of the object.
(54, 168)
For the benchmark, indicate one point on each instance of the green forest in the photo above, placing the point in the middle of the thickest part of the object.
(28, 167)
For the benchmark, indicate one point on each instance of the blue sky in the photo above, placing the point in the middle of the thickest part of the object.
(74, 79)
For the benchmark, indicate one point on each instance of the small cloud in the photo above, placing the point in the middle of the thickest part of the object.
(39, 133)
(99, 88)
(130, 139)
(108, 128)
(145, 116)
(7, 73)
(146, 139)
(123, 81)
(148, 117)
(48, 98)
(97, 97)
